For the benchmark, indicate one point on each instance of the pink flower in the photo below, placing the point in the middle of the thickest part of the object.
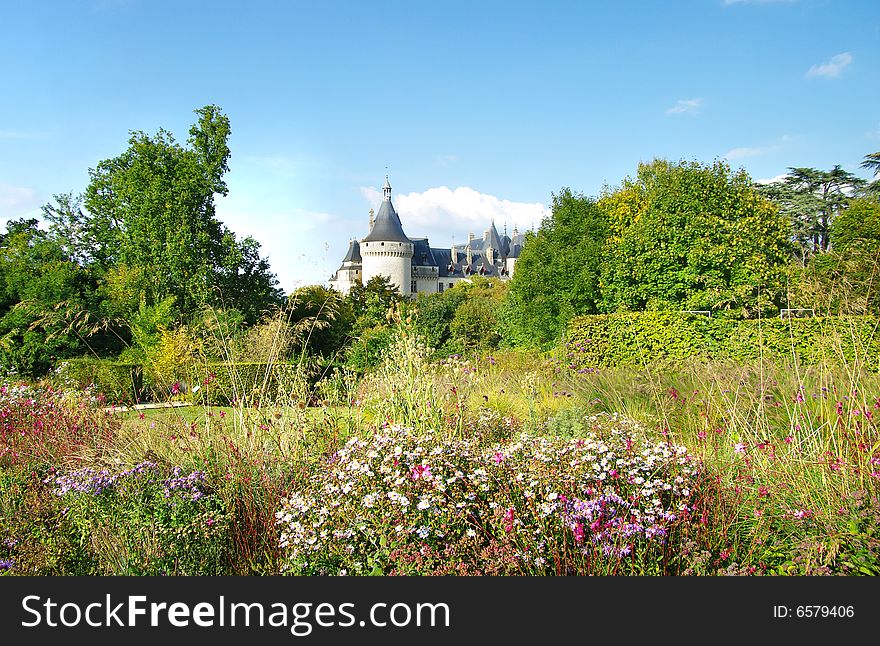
(175, 388)
(578, 533)
(701, 435)
(789, 439)
(498, 457)
(422, 471)
(508, 519)
(739, 447)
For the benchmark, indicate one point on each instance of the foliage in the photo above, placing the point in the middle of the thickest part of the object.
(843, 280)
(373, 303)
(811, 199)
(657, 338)
(248, 383)
(113, 382)
(475, 325)
(557, 273)
(152, 209)
(330, 315)
(693, 237)
(36, 278)
(144, 520)
(872, 163)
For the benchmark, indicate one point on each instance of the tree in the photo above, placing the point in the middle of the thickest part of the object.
(557, 273)
(845, 279)
(372, 303)
(811, 199)
(872, 163)
(152, 209)
(689, 236)
(39, 286)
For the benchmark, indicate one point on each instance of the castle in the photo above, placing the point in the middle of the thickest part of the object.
(413, 265)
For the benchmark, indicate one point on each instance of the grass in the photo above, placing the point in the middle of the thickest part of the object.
(783, 474)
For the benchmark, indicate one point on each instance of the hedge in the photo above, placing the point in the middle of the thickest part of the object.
(651, 338)
(119, 383)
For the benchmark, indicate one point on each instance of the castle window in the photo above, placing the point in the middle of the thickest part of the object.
(441, 287)
(413, 287)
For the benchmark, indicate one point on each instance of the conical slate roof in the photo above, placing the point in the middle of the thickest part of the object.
(354, 252)
(386, 227)
(493, 240)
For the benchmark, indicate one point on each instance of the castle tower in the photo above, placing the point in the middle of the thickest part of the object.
(386, 250)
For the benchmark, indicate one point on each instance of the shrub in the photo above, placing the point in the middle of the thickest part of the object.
(116, 382)
(664, 337)
(407, 503)
(143, 521)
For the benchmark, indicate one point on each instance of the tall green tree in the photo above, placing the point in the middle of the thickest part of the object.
(151, 209)
(690, 236)
(811, 199)
(557, 273)
(872, 163)
(37, 278)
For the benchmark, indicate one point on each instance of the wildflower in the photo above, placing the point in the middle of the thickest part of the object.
(739, 447)
(701, 435)
(422, 471)
(222, 414)
(763, 492)
(175, 388)
(508, 519)
(789, 439)
(498, 457)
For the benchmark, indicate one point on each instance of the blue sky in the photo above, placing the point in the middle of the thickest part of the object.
(479, 110)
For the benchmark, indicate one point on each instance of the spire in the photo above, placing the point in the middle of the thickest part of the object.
(387, 189)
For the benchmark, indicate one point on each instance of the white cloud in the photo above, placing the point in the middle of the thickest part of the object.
(16, 201)
(832, 68)
(772, 180)
(743, 152)
(445, 212)
(686, 106)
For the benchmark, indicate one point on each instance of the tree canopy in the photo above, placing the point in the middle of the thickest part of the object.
(151, 209)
